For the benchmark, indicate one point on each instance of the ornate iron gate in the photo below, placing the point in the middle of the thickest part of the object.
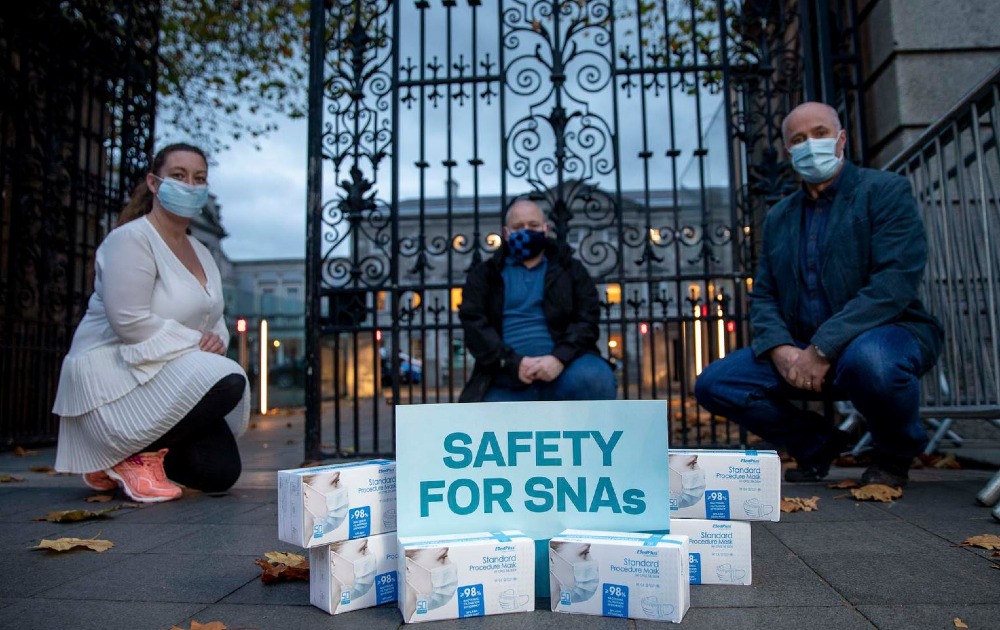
(78, 82)
(648, 129)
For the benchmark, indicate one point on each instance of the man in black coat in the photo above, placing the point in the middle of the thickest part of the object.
(530, 315)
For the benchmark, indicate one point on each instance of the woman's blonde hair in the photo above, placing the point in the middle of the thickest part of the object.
(141, 201)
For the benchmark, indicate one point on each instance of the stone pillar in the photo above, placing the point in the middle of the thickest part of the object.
(921, 58)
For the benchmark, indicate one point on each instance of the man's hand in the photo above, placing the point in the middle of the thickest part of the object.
(546, 368)
(803, 369)
(525, 368)
(211, 342)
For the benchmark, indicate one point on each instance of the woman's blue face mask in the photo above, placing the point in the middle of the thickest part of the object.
(181, 199)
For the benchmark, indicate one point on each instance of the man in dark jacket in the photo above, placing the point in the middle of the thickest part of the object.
(834, 311)
(530, 315)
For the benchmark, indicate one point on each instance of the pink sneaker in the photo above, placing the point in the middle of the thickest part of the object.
(143, 479)
(99, 480)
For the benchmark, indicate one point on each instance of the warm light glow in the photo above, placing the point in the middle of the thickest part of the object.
(694, 292)
(378, 335)
(414, 300)
(722, 335)
(241, 325)
(730, 326)
(697, 340)
(614, 293)
(263, 366)
(643, 328)
(456, 298)
(749, 284)
(458, 242)
(612, 344)
(276, 344)
(746, 229)
(654, 235)
(493, 240)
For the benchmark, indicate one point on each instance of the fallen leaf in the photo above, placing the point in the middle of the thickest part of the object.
(274, 570)
(948, 461)
(5, 478)
(129, 504)
(990, 542)
(42, 469)
(72, 516)
(284, 557)
(959, 623)
(20, 451)
(99, 498)
(66, 544)
(211, 625)
(796, 504)
(877, 492)
(843, 485)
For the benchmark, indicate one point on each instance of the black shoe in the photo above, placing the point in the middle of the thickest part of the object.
(817, 467)
(805, 473)
(888, 471)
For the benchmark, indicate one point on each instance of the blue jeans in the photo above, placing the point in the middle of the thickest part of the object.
(879, 372)
(588, 377)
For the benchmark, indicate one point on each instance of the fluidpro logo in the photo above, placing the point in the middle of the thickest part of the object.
(645, 552)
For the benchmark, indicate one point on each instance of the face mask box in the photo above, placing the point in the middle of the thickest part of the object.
(327, 504)
(354, 574)
(719, 550)
(620, 574)
(466, 575)
(725, 485)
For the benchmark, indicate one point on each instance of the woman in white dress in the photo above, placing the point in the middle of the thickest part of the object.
(146, 396)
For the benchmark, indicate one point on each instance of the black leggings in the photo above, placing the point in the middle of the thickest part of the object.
(203, 453)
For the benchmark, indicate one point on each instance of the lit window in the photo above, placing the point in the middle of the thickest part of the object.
(456, 298)
(614, 293)
(493, 240)
(654, 235)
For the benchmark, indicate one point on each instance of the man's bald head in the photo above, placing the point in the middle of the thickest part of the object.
(524, 213)
(804, 120)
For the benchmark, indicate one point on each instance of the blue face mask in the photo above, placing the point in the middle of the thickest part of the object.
(816, 159)
(687, 486)
(434, 587)
(525, 244)
(181, 199)
(578, 580)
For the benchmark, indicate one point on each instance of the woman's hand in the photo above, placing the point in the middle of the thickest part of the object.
(211, 342)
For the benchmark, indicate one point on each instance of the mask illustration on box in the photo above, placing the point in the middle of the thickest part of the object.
(727, 573)
(435, 586)
(687, 483)
(578, 580)
(510, 600)
(654, 609)
(356, 577)
(335, 501)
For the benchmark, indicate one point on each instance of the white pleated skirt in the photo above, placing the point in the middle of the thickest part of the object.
(101, 438)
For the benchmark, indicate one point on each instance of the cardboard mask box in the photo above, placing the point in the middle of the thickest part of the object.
(719, 550)
(466, 575)
(327, 504)
(354, 574)
(725, 485)
(620, 574)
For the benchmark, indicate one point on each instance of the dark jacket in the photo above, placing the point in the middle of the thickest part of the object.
(572, 311)
(873, 252)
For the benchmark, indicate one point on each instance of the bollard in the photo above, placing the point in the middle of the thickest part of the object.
(990, 494)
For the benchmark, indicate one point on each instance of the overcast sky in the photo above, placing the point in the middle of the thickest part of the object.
(262, 193)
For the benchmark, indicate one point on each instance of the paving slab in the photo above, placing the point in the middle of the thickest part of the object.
(932, 616)
(194, 508)
(161, 578)
(228, 540)
(856, 537)
(771, 618)
(932, 577)
(247, 616)
(130, 538)
(87, 615)
(779, 578)
(280, 594)
(25, 502)
(30, 572)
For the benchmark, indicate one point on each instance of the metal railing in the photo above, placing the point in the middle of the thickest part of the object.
(954, 168)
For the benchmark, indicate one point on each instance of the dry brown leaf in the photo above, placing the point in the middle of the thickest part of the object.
(799, 504)
(948, 461)
(66, 544)
(877, 492)
(99, 498)
(283, 557)
(20, 451)
(129, 504)
(211, 625)
(42, 469)
(5, 478)
(72, 516)
(990, 542)
(959, 623)
(272, 571)
(843, 485)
